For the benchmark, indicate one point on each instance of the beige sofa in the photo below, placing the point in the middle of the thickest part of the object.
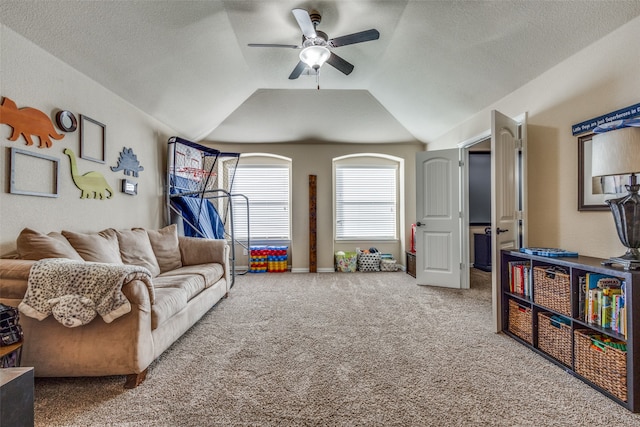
(188, 277)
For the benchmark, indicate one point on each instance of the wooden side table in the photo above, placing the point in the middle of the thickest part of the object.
(411, 263)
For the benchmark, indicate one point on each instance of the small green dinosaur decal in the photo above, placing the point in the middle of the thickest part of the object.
(92, 184)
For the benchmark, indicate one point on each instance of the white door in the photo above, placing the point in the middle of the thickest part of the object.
(508, 182)
(438, 235)
(438, 189)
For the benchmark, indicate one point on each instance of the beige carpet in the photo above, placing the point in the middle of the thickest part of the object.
(339, 349)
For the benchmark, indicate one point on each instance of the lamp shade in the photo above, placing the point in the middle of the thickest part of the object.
(315, 56)
(616, 152)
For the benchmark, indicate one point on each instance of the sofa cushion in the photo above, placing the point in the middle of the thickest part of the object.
(135, 249)
(197, 251)
(33, 245)
(168, 302)
(165, 246)
(211, 273)
(192, 284)
(96, 247)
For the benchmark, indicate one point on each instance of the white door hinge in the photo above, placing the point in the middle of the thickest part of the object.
(519, 215)
(460, 163)
(518, 143)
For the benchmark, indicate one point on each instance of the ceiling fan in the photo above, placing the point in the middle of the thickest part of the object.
(316, 45)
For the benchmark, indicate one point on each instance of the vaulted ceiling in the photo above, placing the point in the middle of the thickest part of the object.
(187, 63)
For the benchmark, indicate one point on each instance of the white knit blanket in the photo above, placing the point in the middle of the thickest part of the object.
(100, 282)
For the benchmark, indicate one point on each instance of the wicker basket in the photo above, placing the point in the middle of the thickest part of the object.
(606, 368)
(520, 323)
(554, 338)
(552, 289)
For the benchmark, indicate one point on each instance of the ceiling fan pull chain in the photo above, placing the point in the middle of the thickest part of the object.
(318, 78)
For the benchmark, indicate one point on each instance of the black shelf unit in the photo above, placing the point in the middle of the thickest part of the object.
(577, 267)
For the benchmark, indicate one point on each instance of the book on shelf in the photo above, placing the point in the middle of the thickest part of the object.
(593, 310)
(582, 297)
(601, 301)
(520, 277)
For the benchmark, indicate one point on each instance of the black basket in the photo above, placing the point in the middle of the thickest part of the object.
(10, 329)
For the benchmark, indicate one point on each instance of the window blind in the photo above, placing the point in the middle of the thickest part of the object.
(366, 202)
(267, 188)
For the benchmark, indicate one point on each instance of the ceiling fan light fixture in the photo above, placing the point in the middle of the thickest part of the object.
(315, 56)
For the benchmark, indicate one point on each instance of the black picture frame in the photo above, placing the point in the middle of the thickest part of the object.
(587, 201)
(88, 144)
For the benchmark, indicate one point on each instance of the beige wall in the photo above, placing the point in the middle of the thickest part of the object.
(315, 158)
(600, 79)
(34, 78)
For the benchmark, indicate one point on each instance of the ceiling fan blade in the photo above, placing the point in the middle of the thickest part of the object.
(290, 46)
(340, 64)
(362, 36)
(304, 21)
(297, 71)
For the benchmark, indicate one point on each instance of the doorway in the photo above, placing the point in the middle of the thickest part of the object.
(476, 155)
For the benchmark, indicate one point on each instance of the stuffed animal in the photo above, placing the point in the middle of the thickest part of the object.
(72, 310)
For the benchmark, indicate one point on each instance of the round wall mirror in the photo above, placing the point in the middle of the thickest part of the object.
(66, 121)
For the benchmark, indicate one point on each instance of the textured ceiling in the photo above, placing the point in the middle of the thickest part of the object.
(187, 63)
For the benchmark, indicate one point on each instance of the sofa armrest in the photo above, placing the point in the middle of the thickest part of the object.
(14, 274)
(194, 250)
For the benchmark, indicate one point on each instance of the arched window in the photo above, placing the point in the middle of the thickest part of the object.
(265, 180)
(366, 197)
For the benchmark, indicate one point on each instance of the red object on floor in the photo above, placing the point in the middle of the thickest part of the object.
(413, 238)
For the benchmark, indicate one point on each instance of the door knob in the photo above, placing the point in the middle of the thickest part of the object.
(499, 230)
(419, 223)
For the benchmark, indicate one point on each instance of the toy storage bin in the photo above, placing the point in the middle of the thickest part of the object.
(552, 288)
(346, 262)
(388, 264)
(277, 259)
(520, 321)
(554, 337)
(601, 364)
(258, 259)
(368, 261)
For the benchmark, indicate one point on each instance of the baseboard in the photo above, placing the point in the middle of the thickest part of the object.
(306, 270)
(320, 270)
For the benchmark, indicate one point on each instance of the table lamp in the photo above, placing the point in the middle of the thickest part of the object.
(617, 152)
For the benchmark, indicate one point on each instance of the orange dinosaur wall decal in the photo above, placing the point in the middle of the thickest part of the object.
(28, 122)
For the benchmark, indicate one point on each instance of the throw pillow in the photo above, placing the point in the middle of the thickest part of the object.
(96, 247)
(135, 249)
(166, 248)
(33, 245)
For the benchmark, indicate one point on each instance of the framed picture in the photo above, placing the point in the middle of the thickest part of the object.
(129, 187)
(33, 174)
(593, 191)
(93, 140)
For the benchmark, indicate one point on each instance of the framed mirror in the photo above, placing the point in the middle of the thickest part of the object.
(592, 192)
